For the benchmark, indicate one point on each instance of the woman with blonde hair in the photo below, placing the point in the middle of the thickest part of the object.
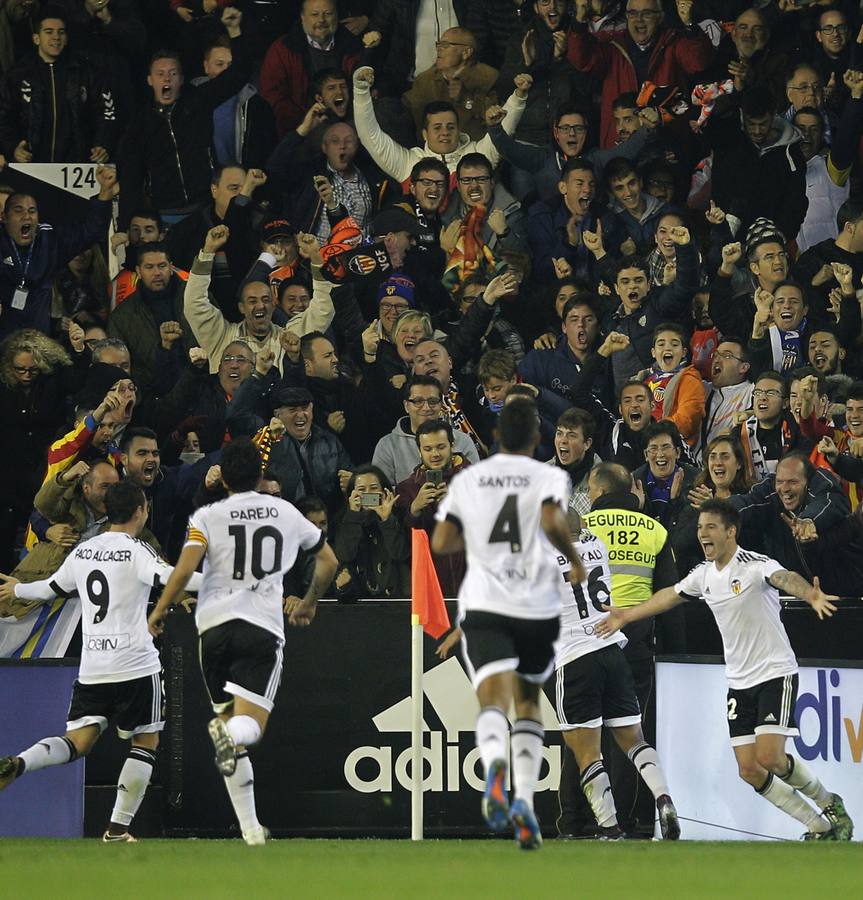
(37, 376)
(387, 364)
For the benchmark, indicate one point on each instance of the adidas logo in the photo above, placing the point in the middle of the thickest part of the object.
(770, 718)
(448, 765)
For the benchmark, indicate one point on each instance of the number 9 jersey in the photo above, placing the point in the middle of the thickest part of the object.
(251, 540)
(582, 603)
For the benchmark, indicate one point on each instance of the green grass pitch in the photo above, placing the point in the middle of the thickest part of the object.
(323, 869)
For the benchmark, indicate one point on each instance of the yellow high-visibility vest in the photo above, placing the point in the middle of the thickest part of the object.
(634, 541)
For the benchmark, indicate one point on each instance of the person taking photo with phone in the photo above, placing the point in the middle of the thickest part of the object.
(372, 545)
(420, 493)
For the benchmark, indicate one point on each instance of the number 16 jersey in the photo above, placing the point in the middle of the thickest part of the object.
(251, 540)
(582, 602)
(511, 566)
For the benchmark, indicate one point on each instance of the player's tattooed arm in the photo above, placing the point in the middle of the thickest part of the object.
(797, 586)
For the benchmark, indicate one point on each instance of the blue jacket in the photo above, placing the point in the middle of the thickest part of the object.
(666, 304)
(546, 233)
(37, 266)
(558, 370)
(545, 163)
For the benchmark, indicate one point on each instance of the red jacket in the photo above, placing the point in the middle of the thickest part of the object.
(676, 56)
(285, 73)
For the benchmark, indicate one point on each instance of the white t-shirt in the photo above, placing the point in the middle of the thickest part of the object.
(251, 540)
(582, 608)
(113, 574)
(746, 608)
(511, 566)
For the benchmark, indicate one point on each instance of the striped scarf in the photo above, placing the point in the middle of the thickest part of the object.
(471, 255)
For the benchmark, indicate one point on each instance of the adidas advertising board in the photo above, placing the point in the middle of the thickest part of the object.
(692, 741)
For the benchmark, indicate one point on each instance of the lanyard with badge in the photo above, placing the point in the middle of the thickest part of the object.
(19, 298)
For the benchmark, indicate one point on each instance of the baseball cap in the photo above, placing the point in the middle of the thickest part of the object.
(275, 228)
(397, 218)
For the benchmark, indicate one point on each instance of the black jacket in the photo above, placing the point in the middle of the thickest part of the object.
(300, 200)
(824, 502)
(165, 153)
(749, 181)
(62, 109)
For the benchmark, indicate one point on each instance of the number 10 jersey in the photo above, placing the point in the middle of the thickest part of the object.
(251, 540)
(582, 602)
(497, 504)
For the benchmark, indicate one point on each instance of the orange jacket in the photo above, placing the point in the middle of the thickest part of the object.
(683, 403)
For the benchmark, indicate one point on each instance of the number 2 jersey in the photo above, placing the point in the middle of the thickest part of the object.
(582, 603)
(511, 568)
(114, 575)
(251, 540)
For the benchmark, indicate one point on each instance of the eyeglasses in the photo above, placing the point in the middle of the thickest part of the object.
(430, 182)
(761, 392)
(665, 185)
(571, 129)
(805, 88)
(727, 355)
(239, 359)
(662, 448)
(833, 29)
(430, 402)
(445, 45)
(392, 307)
(475, 179)
(26, 370)
(641, 14)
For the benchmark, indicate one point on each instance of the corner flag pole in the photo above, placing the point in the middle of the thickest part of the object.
(416, 728)
(429, 615)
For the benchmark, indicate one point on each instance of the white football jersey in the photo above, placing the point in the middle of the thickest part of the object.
(746, 608)
(582, 603)
(113, 574)
(251, 540)
(511, 567)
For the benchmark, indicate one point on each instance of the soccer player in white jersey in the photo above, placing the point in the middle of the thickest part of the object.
(742, 590)
(247, 542)
(120, 677)
(594, 686)
(504, 512)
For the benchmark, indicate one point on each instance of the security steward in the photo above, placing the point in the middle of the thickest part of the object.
(641, 564)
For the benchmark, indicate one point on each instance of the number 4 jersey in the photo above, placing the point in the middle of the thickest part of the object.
(251, 540)
(582, 603)
(511, 567)
(114, 575)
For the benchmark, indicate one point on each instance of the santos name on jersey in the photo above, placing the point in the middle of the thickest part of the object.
(511, 568)
(582, 603)
(746, 608)
(251, 540)
(114, 575)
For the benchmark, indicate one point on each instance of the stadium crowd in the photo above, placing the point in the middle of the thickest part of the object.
(355, 231)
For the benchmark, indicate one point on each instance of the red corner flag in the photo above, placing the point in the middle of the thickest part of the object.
(426, 596)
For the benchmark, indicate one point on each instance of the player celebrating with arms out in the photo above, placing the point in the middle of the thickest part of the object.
(120, 674)
(594, 686)
(247, 541)
(503, 512)
(742, 590)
